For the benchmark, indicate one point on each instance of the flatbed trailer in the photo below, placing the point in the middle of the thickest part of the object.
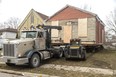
(89, 46)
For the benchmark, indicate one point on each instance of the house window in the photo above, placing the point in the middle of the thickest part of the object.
(71, 23)
(32, 19)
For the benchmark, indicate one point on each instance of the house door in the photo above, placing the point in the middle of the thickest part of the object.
(67, 34)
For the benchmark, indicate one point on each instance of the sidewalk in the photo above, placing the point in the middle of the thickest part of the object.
(81, 69)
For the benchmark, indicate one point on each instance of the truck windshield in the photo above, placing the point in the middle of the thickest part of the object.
(28, 34)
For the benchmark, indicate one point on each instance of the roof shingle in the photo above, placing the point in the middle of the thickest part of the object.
(44, 17)
(70, 12)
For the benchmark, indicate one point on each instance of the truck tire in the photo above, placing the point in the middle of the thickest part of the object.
(34, 61)
(83, 55)
(60, 53)
(10, 64)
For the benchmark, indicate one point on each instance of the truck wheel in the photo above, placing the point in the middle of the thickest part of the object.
(83, 55)
(60, 53)
(10, 64)
(34, 61)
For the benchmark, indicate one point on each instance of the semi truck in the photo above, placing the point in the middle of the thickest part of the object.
(33, 46)
(36, 45)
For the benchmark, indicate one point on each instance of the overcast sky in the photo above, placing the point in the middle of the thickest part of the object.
(20, 8)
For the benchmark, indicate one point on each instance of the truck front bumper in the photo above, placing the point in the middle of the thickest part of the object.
(17, 61)
(73, 53)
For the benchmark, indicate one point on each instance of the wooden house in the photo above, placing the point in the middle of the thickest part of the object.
(33, 19)
(77, 23)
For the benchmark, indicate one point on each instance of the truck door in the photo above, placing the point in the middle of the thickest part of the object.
(40, 41)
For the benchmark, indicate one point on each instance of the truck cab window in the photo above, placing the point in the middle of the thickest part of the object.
(28, 34)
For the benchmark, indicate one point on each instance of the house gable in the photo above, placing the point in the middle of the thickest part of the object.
(32, 19)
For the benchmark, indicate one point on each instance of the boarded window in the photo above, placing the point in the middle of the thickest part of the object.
(82, 27)
(67, 34)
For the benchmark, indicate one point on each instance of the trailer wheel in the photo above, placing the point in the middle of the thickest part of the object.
(60, 53)
(83, 55)
(10, 64)
(34, 61)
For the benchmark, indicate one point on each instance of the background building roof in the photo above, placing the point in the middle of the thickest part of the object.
(43, 16)
(8, 30)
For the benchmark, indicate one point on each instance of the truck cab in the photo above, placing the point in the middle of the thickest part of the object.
(32, 47)
(39, 37)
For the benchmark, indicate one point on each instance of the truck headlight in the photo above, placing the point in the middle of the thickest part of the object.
(1, 54)
(19, 55)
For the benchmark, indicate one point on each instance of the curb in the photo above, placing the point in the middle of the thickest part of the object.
(11, 72)
(25, 73)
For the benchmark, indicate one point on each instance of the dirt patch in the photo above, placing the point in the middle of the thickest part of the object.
(50, 71)
(102, 64)
(102, 59)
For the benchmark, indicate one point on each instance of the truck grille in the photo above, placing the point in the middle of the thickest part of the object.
(8, 49)
(74, 52)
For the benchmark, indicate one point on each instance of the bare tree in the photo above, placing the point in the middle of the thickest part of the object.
(12, 23)
(108, 36)
(111, 21)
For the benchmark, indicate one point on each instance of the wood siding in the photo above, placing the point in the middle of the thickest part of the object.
(32, 19)
(82, 27)
(85, 29)
(91, 29)
(67, 33)
(55, 32)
